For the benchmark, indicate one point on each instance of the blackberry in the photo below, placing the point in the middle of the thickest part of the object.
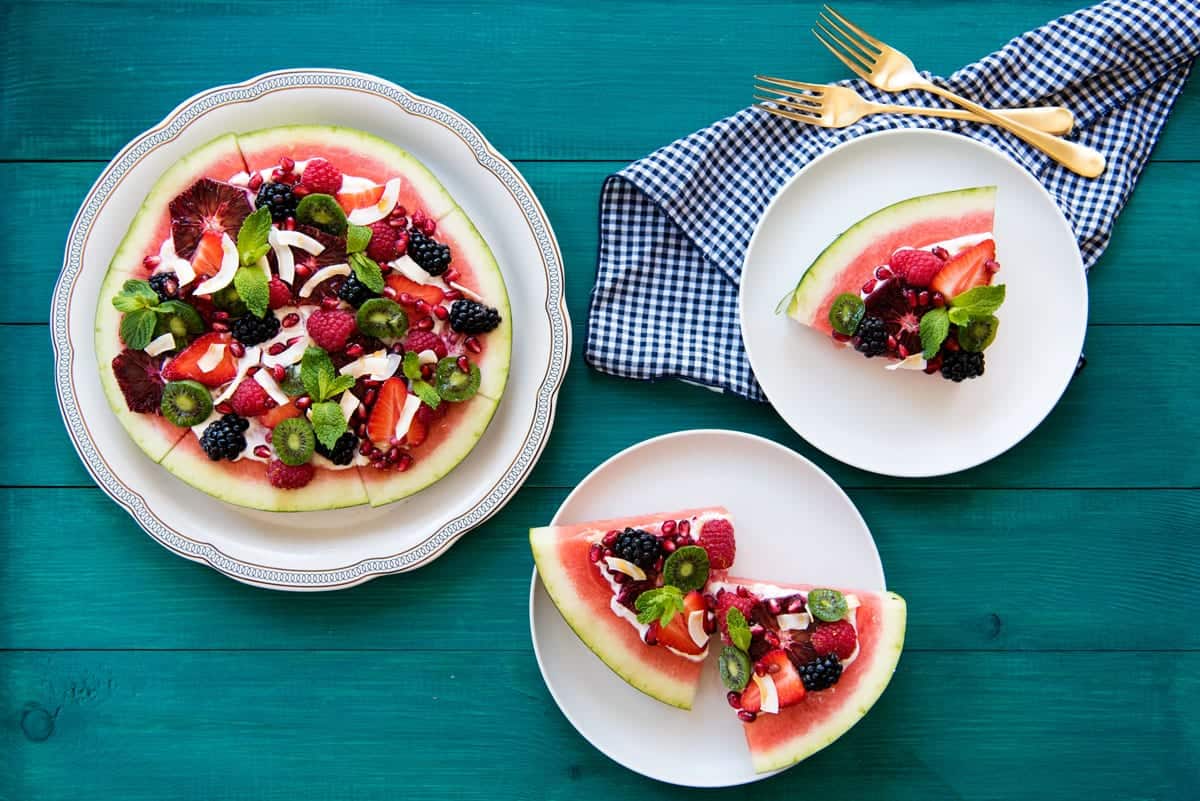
(469, 317)
(342, 451)
(637, 546)
(821, 673)
(251, 330)
(432, 256)
(958, 365)
(870, 339)
(355, 292)
(279, 198)
(166, 285)
(226, 438)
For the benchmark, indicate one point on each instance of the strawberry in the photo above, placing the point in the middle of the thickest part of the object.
(788, 685)
(835, 638)
(186, 364)
(281, 293)
(418, 429)
(381, 426)
(727, 600)
(916, 267)
(426, 292)
(277, 415)
(967, 270)
(250, 399)
(349, 201)
(675, 633)
(716, 537)
(207, 260)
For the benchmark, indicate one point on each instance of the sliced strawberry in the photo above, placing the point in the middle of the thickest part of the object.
(675, 633)
(966, 271)
(430, 294)
(186, 364)
(751, 698)
(418, 429)
(349, 201)
(381, 426)
(209, 253)
(787, 680)
(277, 415)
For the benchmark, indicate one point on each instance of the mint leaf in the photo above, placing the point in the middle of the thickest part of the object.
(428, 395)
(316, 373)
(959, 316)
(339, 385)
(662, 604)
(980, 301)
(739, 629)
(251, 286)
(935, 327)
(252, 242)
(367, 271)
(190, 317)
(328, 422)
(137, 328)
(411, 366)
(357, 238)
(135, 294)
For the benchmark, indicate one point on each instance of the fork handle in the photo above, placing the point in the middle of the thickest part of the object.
(1051, 119)
(1077, 158)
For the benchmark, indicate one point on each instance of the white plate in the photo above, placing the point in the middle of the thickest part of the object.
(321, 550)
(793, 524)
(906, 423)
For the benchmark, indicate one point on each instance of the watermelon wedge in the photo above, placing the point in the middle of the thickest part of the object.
(573, 566)
(843, 662)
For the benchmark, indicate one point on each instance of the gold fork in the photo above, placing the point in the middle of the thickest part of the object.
(839, 106)
(890, 70)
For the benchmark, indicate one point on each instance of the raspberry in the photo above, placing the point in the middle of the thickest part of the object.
(331, 329)
(418, 341)
(250, 399)
(916, 267)
(288, 477)
(716, 537)
(727, 600)
(321, 177)
(382, 246)
(281, 293)
(835, 638)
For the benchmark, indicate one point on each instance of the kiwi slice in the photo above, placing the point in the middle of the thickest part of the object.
(452, 383)
(294, 441)
(686, 568)
(186, 403)
(828, 605)
(292, 385)
(846, 313)
(229, 300)
(322, 211)
(734, 665)
(179, 320)
(382, 318)
(978, 333)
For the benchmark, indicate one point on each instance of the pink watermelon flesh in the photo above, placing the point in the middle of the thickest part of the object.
(583, 596)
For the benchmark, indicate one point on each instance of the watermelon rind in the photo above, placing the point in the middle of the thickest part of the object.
(822, 276)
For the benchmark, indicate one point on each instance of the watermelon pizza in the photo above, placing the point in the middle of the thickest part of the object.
(912, 283)
(302, 318)
(647, 594)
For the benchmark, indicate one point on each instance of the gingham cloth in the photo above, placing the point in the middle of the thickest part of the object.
(675, 225)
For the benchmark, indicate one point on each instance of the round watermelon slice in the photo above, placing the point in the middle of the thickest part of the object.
(583, 596)
(851, 259)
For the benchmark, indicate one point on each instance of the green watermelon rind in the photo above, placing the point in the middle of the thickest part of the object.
(822, 275)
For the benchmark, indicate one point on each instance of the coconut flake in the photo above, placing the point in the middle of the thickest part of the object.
(411, 404)
(390, 365)
(348, 402)
(412, 271)
(696, 628)
(248, 360)
(381, 208)
(285, 262)
(913, 362)
(470, 293)
(290, 355)
(366, 364)
(323, 274)
(211, 358)
(625, 566)
(768, 692)
(296, 239)
(229, 266)
(796, 621)
(169, 260)
(427, 356)
(852, 601)
(268, 383)
(161, 344)
(240, 179)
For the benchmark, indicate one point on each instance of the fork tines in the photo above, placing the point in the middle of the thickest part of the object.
(797, 100)
(848, 42)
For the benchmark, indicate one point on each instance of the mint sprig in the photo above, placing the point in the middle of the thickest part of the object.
(660, 604)
(328, 422)
(142, 309)
(935, 327)
(357, 238)
(411, 366)
(978, 302)
(739, 629)
(134, 296)
(321, 381)
(137, 328)
(367, 270)
(251, 285)
(253, 238)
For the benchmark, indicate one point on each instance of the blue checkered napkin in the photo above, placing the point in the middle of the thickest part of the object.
(674, 226)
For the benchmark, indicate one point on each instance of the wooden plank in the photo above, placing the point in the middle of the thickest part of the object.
(1128, 420)
(1147, 237)
(580, 80)
(981, 569)
(203, 725)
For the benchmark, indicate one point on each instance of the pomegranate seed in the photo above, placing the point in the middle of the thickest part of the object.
(452, 294)
(303, 271)
(404, 463)
(796, 604)
(329, 302)
(396, 222)
(756, 629)
(710, 622)
(362, 430)
(287, 164)
(609, 552)
(473, 345)
(224, 408)
(220, 315)
(441, 312)
(658, 563)
(951, 344)
(369, 397)
(424, 324)
(891, 342)
(747, 717)
(760, 669)
(464, 364)
(151, 261)
(451, 274)
(772, 639)
(291, 320)
(869, 286)
(371, 383)
(610, 539)
(743, 592)
(220, 327)
(773, 606)
(354, 351)
(911, 298)
(237, 349)
(252, 370)
(277, 349)
(399, 211)
(255, 182)
(422, 307)
(902, 350)
(923, 298)
(941, 253)
(594, 553)
(619, 578)
(883, 273)
(303, 402)
(262, 452)
(684, 539)
(668, 527)
(734, 698)
(991, 265)
(300, 190)
(429, 228)
(365, 449)
(277, 175)
(389, 292)
(773, 667)
(939, 299)
(651, 636)
(668, 546)
(426, 371)
(710, 601)
(360, 412)
(840, 337)
(376, 453)
(278, 372)
(290, 223)
(406, 299)
(685, 526)
(393, 455)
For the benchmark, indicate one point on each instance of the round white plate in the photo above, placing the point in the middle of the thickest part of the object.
(321, 550)
(900, 422)
(793, 524)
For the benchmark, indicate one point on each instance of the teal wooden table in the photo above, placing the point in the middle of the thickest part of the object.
(1052, 649)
